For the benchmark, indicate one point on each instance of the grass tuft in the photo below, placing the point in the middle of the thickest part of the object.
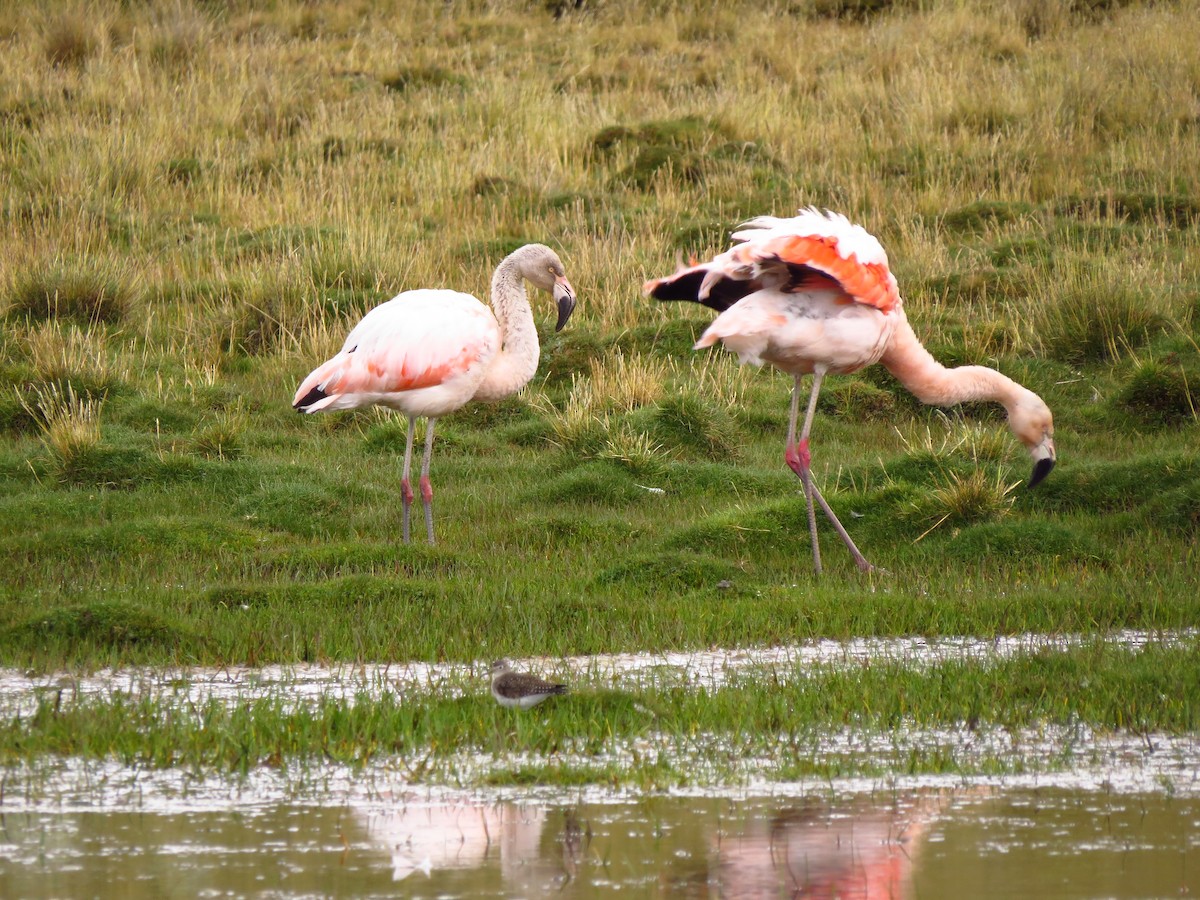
(626, 382)
(220, 439)
(70, 427)
(965, 500)
(70, 39)
(87, 296)
(683, 148)
(1178, 211)
(960, 441)
(97, 626)
(695, 425)
(858, 400)
(299, 507)
(1024, 541)
(635, 451)
(416, 77)
(1100, 487)
(580, 426)
(855, 10)
(1158, 393)
(66, 355)
(983, 214)
(597, 482)
(1086, 324)
(184, 170)
(1177, 510)
(567, 354)
(178, 36)
(673, 571)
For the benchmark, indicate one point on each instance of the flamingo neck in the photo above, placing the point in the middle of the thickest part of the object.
(932, 383)
(517, 359)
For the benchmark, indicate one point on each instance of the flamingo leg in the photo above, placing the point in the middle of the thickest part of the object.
(859, 559)
(426, 485)
(406, 491)
(800, 459)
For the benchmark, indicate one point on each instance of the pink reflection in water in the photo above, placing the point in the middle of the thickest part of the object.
(819, 851)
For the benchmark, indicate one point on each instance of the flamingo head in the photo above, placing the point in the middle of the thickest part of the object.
(731, 264)
(1033, 424)
(542, 268)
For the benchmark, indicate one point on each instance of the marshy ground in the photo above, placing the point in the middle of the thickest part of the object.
(199, 200)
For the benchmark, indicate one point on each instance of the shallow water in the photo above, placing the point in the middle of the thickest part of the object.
(307, 683)
(962, 842)
(1070, 812)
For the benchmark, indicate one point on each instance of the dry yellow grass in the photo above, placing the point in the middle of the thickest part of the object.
(70, 424)
(260, 177)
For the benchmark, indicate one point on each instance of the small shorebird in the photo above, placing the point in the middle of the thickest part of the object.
(517, 689)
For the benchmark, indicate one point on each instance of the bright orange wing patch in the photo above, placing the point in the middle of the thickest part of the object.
(870, 283)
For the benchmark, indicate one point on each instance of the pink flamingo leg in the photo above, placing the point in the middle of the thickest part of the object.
(426, 485)
(799, 459)
(406, 491)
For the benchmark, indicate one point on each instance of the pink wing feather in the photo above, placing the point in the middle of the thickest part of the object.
(418, 339)
(819, 242)
(829, 243)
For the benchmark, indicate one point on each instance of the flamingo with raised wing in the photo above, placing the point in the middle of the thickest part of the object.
(429, 352)
(813, 295)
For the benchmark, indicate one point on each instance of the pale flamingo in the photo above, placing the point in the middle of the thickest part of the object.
(812, 295)
(429, 352)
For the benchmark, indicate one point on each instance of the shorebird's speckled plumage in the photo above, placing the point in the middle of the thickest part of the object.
(518, 689)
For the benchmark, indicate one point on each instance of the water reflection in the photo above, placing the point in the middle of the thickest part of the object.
(425, 837)
(811, 848)
(818, 850)
(977, 842)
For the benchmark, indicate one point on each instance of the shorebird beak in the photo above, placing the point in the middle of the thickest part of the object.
(564, 296)
(1043, 461)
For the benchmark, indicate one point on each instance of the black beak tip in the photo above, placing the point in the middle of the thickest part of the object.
(566, 306)
(1040, 470)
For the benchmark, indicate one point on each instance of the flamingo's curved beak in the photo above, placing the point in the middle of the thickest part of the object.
(1043, 461)
(564, 296)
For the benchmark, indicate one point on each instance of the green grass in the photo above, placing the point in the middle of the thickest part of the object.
(755, 714)
(196, 204)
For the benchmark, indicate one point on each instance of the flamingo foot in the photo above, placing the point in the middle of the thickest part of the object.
(427, 502)
(406, 494)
